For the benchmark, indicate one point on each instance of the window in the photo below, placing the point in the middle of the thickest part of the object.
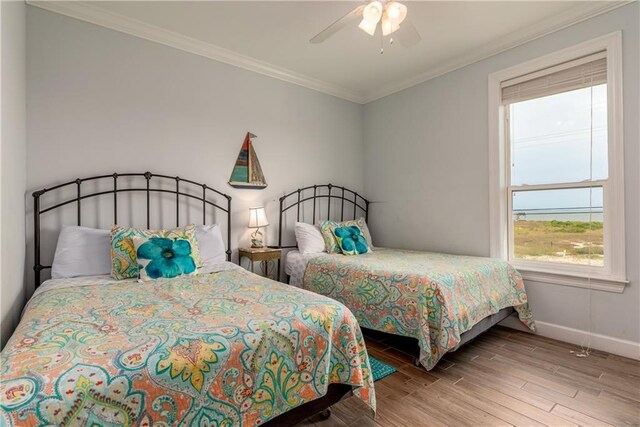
(557, 190)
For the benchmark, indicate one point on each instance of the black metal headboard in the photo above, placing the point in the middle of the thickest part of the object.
(114, 189)
(357, 205)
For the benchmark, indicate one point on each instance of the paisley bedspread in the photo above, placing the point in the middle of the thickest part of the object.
(429, 296)
(227, 349)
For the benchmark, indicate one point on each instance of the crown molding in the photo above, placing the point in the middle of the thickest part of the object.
(114, 21)
(98, 16)
(556, 23)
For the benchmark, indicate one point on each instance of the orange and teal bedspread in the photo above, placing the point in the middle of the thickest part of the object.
(226, 349)
(429, 296)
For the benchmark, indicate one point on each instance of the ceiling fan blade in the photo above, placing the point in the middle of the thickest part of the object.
(338, 25)
(407, 35)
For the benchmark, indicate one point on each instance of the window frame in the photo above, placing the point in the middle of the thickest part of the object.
(611, 277)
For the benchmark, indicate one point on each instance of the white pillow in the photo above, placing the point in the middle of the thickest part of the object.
(82, 251)
(309, 238)
(210, 243)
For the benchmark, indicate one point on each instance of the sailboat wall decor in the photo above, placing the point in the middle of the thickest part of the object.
(247, 172)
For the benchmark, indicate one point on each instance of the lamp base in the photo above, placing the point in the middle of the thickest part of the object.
(256, 239)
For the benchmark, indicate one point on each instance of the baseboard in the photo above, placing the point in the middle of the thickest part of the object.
(606, 343)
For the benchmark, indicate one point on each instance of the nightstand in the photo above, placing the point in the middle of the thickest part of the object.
(267, 258)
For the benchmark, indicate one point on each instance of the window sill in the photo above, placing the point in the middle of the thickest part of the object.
(607, 284)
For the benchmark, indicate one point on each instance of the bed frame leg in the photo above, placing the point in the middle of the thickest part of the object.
(416, 362)
(326, 413)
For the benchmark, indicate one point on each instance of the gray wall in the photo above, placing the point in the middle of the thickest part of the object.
(101, 101)
(12, 166)
(426, 157)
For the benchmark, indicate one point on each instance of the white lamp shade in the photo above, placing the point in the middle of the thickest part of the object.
(368, 27)
(372, 12)
(388, 26)
(257, 217)
(396, 12)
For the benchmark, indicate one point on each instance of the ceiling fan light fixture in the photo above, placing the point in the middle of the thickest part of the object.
(368, 26)
(396, 12)
(388, 26)
(389, 14)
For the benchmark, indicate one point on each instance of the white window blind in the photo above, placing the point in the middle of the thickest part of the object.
(577, 74)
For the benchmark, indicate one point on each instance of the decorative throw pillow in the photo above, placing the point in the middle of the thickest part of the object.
(331, 244)
(351, 240)
(123, 251)
(163, 257)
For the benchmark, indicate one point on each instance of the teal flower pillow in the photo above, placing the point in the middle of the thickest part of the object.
(330, 242)
(164, 257)
(123, 251)
(351, 240)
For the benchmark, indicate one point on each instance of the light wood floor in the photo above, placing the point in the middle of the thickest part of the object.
(504, 377)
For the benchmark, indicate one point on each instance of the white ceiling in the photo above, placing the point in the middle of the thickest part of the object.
(273, 37)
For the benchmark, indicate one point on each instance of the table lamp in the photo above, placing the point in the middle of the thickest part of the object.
(257, 219)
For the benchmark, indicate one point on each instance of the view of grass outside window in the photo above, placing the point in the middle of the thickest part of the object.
(558, 171)
(550, 225)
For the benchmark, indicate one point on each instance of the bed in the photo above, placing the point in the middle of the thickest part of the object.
(441, 300)
(223, 347)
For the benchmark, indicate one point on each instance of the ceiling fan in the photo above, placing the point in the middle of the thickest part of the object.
(385, 14)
